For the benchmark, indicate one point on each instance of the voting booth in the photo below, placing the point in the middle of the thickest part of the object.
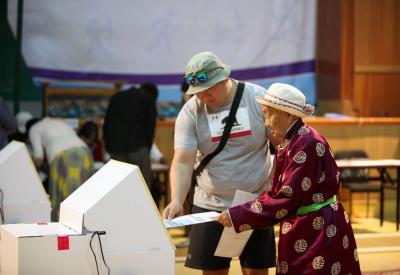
(24, 199)
(111, 216)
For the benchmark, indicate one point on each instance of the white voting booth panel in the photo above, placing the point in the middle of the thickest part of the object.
(24, 198)
(33, 249)
(116, 201)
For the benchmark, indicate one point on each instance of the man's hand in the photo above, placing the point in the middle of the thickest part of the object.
(172, 210)
(224, 219)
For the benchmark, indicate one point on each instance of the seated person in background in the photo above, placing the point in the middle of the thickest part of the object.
(316, 236)
(68, 157)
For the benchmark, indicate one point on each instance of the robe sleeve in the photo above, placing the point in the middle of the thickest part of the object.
(295, 187)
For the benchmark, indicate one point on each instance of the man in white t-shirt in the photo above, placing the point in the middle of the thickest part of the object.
(243, 164)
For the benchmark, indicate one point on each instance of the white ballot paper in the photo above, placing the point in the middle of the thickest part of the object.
(231, 244)
(191, 219)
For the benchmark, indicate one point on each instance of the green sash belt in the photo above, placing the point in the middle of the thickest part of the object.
(314, 207)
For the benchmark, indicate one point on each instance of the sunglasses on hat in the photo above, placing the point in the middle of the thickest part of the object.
(201, 77)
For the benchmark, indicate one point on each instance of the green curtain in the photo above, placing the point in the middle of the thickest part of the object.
(28, 90)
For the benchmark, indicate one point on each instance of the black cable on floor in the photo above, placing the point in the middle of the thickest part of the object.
(101, 250)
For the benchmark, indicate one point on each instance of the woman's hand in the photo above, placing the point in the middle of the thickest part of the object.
(224, 219)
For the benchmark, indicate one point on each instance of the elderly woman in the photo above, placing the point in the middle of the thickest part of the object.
(316, 236)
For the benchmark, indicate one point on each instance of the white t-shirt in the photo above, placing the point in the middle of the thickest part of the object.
(52, 136)
(242, 164)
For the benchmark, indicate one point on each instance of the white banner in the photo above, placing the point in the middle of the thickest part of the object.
(153, 40)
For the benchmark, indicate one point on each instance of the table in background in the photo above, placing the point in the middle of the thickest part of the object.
(382, 165)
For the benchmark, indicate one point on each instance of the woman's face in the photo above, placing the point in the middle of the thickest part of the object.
(276, 120)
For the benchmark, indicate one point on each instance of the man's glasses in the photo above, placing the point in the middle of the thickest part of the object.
(201, 77)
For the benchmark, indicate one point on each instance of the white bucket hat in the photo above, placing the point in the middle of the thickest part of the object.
(286, 98)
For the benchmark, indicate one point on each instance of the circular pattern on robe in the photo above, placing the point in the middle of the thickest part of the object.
(345, 242)
(306, 184)
(334, 206)
(318, 263)
(281, 213)
(300, 245)
(346, 217)
(300, 157)
(356, 255)
(320, 149)
(318, 223)
(286, 227)
(335, 269)
(322, 177)
(256, 207)
(286, 190)
(331, 231)
(244, 227)
(303, 131)
(318, 197)
(337, 177)
(283, 267)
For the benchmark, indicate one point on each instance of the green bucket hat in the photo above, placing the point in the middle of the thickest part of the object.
(209, 63)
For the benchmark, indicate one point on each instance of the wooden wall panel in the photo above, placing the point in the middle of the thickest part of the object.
(334, 56)
(346, 55)
(376, 74)
(377, 94)
(367, 19)
(369, 69)
(376, 32)
(390, 32)
(328, 51)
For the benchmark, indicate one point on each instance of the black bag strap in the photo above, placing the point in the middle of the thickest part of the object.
(227, 130)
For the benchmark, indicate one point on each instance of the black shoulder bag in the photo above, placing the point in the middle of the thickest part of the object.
(224, 139)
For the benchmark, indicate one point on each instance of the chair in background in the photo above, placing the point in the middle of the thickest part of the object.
(357, 180)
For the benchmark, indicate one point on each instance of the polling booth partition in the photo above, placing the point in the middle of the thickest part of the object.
(109, 224)
(22, 195)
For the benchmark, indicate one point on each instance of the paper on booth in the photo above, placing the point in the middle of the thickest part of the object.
(231, 244)
(191, 219)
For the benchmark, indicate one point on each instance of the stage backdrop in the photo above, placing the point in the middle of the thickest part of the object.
(137, 41)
